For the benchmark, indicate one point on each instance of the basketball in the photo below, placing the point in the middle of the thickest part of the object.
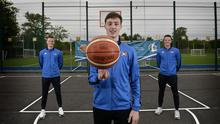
(102, 52)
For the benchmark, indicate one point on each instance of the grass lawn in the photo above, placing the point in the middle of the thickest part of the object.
(186, 59)
(26, 62)
(207, 59)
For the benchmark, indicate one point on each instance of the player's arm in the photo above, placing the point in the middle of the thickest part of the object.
(60, 60)
(41, 60)
(93, 75)
(178, 58)
(135, 82)
(158, 59)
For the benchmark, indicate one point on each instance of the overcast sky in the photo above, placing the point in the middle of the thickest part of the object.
(198, 21)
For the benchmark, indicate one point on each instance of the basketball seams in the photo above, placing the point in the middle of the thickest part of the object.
(107, 64)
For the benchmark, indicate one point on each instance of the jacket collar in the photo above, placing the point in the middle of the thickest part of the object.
(168, 49)
(50, 49)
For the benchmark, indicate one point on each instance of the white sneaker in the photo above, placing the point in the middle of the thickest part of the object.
(42, 114)
(177, 114)
(159, 110)
(60, 111)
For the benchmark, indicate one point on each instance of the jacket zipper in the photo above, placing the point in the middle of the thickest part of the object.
(50, 63)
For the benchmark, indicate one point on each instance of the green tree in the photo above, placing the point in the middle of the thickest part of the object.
(59, 34)
(149, 38)
(137, 37)
(181, 38)
(126, 38)
(33, 28)
(8, 25)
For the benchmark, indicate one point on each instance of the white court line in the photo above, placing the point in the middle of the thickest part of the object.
(185, 95)
(37, 118)
(153, 66)
(37, 76)
(194, 116)
(141, 110)
(77, 67)
(27, 76)
(41, 96)
(197, 74)
(2, 76)
(23, 76)
(216, 74)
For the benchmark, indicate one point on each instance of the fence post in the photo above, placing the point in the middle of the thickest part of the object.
(87, 22)
(43, 27)
(131, 21)
(87, 33)
(1, 46)
(174, 24)
(216, 37)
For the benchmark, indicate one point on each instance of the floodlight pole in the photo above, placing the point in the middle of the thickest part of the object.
(43, 26)
(216, 36)
(174, 24)
(1, 46)
(87, 23)
(87, 32)
(131, 22)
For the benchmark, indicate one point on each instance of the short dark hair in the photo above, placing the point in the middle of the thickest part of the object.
(50, 36)
(113, 15)
(167, 35)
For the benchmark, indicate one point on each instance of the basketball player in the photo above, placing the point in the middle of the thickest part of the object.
(169, 62)
(51, 61)
(116, 96)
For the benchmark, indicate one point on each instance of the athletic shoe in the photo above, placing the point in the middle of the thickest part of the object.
(177, 114)
(42, 114)
(60, 111)
(158, 111)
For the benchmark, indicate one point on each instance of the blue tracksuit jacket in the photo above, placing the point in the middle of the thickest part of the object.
(122, 89)
(169, 61)
(51, 61)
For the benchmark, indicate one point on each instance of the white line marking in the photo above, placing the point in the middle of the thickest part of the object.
(24, 76)
(81, 111)
(41, 96)
(172, 109)
(193, 74)
(2, 76)
(37, 118)
(77, 67)
(194, 99)
(194, 116)
(142, 110)
(153, 67)
(37, 76)
(185, 95)
(216, 74)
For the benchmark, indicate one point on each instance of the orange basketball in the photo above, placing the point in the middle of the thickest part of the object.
(102, 52)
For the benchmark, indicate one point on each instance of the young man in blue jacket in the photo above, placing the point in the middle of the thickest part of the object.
(169, 62)
(51, 61)
(117, 89)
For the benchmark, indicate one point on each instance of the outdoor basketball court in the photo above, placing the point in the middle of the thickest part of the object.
(194, 26)
(21, 97)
